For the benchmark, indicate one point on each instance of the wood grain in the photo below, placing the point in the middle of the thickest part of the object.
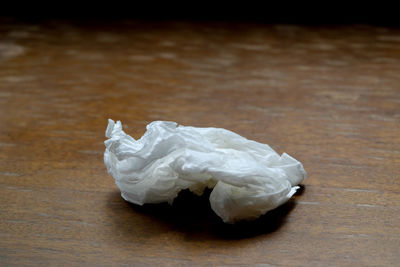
(329, 96)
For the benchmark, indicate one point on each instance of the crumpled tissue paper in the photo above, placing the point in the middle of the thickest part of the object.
(248, 178)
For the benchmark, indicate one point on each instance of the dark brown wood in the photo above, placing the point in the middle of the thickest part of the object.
(328, 96)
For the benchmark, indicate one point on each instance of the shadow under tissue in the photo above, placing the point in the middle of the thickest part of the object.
(192, 215)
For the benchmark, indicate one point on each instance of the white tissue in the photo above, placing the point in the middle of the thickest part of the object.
(249, 178)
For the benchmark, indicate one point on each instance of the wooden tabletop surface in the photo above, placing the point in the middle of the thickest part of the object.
(328, 96)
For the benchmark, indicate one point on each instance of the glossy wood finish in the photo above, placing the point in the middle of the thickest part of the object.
(329, 96)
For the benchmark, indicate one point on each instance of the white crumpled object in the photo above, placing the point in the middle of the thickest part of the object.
(249, 178)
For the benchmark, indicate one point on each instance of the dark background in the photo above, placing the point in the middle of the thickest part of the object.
(299, 12)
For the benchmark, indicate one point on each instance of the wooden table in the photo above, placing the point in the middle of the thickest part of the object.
(328, 96)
